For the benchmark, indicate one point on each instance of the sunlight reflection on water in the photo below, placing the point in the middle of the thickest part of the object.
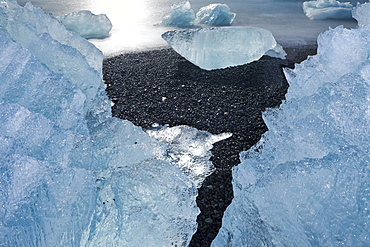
(136, 23)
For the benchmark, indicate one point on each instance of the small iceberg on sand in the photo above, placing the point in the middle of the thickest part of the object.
(215, 15)
(222, 47)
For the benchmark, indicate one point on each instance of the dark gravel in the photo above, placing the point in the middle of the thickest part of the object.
(161, 87)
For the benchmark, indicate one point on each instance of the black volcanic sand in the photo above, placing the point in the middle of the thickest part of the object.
(161, 87)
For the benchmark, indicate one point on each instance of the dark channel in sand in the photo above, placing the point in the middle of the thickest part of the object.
(161, 87)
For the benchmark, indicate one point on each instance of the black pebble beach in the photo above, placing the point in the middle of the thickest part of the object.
(160, 86)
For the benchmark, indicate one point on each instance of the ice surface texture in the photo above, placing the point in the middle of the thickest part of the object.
(70, 174)
(181, 15)
(215, 15)
(87, 24)
(189, 149)
(221, 47)
(327, 9)
(306, 183)
(362, 14)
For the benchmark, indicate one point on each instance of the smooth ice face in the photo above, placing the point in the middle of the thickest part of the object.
(306, 183)
(327, 9)
(222, 47)
(362, 14)
(215, 15)
(181, 15)
(189, 149)
(87, 24)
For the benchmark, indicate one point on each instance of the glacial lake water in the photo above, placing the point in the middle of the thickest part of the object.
(136, 23)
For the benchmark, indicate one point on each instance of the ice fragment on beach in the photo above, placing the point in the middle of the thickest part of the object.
(327, 9)
(189, 149)
(306, 183)
(362, 14)
(87, 24)
(181, 15)
(215, 15)
(221, 47)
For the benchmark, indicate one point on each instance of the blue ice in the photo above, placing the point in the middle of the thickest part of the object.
(72, 175)
(306, 182)
(327, 9)
(87, 24)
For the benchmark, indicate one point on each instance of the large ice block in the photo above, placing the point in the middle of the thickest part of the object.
(327, 9)
(216, 14)
(306, 182)
(87, 24)
(221, 47)
(58, 140)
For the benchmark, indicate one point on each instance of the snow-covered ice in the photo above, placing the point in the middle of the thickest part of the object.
(221, 47)
(87, 24)
(70, 174)
(181, 15)
(306, 182)
(327, 9)
(215, 15)
(362, 14)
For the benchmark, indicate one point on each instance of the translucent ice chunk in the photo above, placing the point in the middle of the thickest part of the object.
(62, 52)
(181, 15)
(362, 14)
(221, 47)
(87, 24)
(58, 140)
(306, 182)
(215, 15)
(189, 149)
(119, 143)
(44, 200)
(147, 204)
(327, 9)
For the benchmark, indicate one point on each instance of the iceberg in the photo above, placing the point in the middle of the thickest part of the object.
(222, 47)
(70, 174)
(306, 182)
(362, 14)
(181, 15)
(327, 9)
(87, 24)
(215, 15)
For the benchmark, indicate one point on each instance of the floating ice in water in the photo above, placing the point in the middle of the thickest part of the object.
(221, 47)
(68, 169)
(189, 149)
(306, 183)
(215, 15)
(181, 15)
(327, 9)
(362, 14)
(87, 24)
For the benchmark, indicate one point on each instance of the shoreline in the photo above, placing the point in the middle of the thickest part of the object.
(226, 100)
